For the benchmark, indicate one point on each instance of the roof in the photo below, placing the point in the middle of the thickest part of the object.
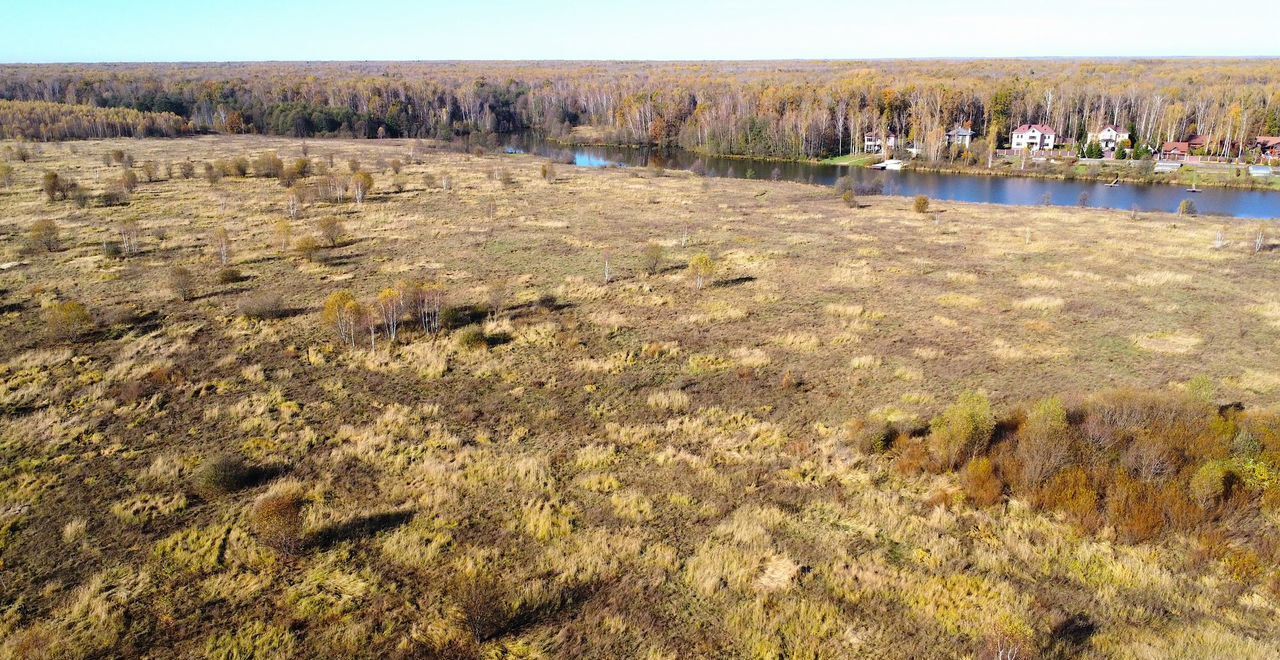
(1112, 127)
(1268, 141)
(1176, 146)
(1027, 128)
(1197, 140)
(960, 131)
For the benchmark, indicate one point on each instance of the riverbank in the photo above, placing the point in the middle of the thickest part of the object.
(1184, 177)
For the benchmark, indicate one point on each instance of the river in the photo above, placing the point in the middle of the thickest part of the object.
(1016, 191)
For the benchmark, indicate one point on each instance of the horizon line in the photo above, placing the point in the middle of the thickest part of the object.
(944, 58)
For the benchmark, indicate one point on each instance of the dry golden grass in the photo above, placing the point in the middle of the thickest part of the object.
(569, 468)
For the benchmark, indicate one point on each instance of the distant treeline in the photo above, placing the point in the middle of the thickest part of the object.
(778, 109)
(39, 120)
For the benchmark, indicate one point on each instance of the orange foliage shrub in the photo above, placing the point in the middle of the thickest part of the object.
(981, 484)
(1133, 507)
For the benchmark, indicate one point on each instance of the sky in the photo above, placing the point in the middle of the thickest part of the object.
(240, 30)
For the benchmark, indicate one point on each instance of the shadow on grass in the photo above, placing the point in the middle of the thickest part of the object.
(1072, 635)
(357, 528)
(344, 259)
(489, 616)
(463, 316)
(220, 293)
(736, 281)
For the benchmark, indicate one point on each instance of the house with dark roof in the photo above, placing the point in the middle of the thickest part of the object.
(1109, 137)
(1033, 137)
(960, 136)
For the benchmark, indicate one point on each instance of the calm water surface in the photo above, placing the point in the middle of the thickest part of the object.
(955, 187)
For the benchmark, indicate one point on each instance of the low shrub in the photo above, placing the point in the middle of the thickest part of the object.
(1044, 442)
(980, 483)
(67, 320)
(652, 258)
(308, 248)
(470, 337)
(1133, 508)
(112, 250)
(229, 275)
(330, 229)
(962, 431)
(276, 517)
(44, 233)
(181, 282)
(1072, 493)
(261, 305)
(220, 475)
(1212, 482)
(871, 438)
(920, 204)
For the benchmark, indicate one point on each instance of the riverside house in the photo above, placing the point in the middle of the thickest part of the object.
(1109, 137)
(1033, 137)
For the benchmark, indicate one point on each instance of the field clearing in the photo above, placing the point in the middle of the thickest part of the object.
(637, 467)
(855, 160)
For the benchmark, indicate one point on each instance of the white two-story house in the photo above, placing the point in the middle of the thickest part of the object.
(959, 136)
(872, 143)
(1109, 137)
(1033, 137)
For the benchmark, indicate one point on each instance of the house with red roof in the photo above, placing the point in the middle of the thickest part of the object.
(1033, 137)
(1268, 146)
(1175, 150)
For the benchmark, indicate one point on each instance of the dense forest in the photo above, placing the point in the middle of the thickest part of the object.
(39, 120)
(777, 109)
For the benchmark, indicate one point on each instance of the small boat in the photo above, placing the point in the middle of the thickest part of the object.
(893, 164)
(1193, 187)
(1113, 184)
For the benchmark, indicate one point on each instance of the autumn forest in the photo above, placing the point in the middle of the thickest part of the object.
(794, 110)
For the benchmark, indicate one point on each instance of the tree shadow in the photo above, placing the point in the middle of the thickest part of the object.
(736, 281)
(218, 294)
(344, 259)
(1071, 635)
(258, 475)
(290, 312)
(489, 617)
(462, 316)
(357, 528)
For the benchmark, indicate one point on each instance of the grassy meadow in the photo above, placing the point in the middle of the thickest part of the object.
(819, 440)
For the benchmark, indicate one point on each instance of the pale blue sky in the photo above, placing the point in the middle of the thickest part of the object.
(219, 30)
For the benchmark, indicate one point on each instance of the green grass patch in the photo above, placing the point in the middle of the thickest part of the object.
(853, 160)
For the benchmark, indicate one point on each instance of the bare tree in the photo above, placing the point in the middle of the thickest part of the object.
(362, 185)
(222, 245)
(390, 304)
(130, 234)
(425, 301)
